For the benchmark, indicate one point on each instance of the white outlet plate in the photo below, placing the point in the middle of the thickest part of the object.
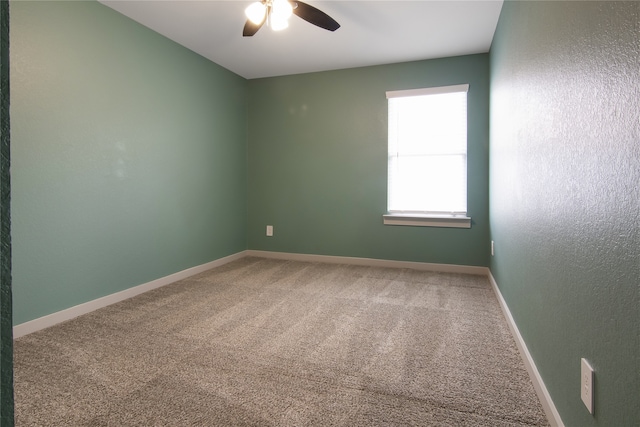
(586, 384)
(269, 230)
(492, 248)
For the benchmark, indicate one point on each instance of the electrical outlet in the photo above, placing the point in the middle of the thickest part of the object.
(269, 230)
(492, 253)
(586, 384)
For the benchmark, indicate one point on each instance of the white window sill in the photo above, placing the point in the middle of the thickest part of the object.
(450, 221)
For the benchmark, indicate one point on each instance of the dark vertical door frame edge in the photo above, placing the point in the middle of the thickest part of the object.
(6, 316)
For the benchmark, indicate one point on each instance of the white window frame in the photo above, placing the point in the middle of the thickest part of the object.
(422, 218)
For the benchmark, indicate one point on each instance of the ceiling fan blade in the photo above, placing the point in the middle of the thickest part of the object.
(314, 16)
(250, 28)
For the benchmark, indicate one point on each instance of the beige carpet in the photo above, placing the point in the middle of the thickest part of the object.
(261, 342)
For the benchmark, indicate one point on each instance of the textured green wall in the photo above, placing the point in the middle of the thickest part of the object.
(129, 156)
(318, 163)
(565, 198)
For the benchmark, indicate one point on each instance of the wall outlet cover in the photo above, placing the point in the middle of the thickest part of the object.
(586, 384)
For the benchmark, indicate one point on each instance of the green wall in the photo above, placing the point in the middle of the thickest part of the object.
(128, 156)
(318, 163)
(565, 198)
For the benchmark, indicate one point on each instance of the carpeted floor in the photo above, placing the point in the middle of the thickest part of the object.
(261, 342)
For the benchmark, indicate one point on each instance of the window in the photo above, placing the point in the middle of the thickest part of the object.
(427, 180)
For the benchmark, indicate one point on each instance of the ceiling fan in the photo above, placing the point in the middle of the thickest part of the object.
(276, 13)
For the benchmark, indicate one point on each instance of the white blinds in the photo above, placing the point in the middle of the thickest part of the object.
(428, 150)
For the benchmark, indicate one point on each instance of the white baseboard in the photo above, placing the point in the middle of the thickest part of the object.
(545, 399)
(87, 307)
(371, 262)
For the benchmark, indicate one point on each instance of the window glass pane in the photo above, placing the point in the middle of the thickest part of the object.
(433, 124)
(427, 153)
(429, 183)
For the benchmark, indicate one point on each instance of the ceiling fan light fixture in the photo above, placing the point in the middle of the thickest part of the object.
(281, 10)
(256, 12)
(278, 24)
(275, 13)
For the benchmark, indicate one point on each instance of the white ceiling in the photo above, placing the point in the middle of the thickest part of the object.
(371, 33)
